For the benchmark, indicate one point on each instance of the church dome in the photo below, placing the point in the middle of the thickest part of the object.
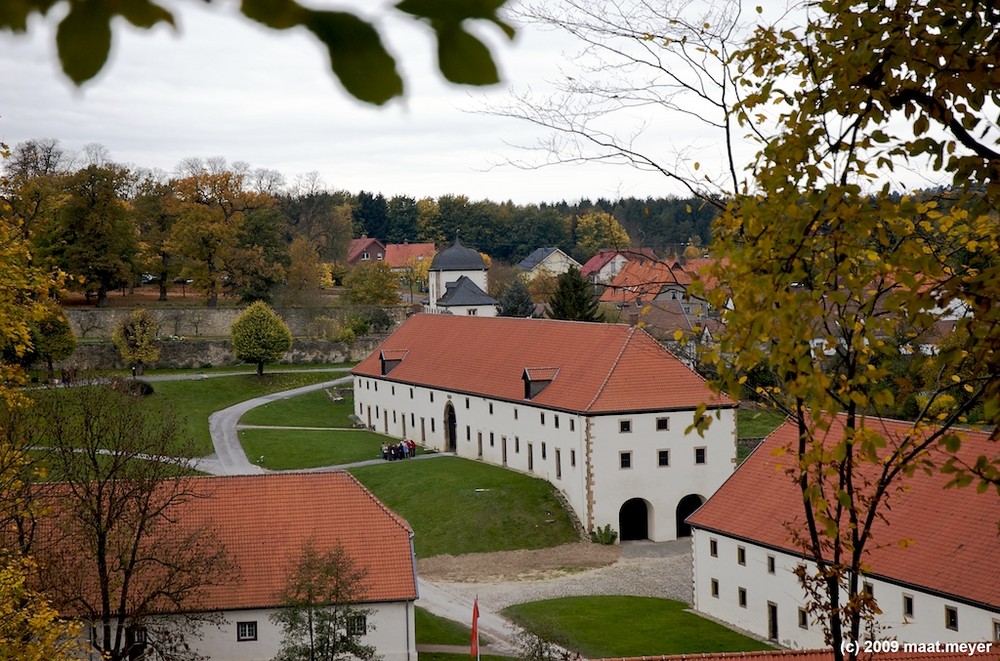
(458, 258)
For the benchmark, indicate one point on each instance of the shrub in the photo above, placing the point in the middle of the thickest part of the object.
(606, 535)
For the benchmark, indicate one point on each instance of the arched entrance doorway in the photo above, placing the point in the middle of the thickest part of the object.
(633, 520)
(685, 508)
(450, 429)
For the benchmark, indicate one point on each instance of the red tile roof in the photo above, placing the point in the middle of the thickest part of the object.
(642, 280)
(605, 255)
(398, 255)
(950, 533)
(358, 246)
(602, 368)
(818, 655)
(263, 522)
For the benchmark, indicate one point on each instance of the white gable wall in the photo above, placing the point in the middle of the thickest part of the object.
(557, 445)
(439, 280)
(782, 588)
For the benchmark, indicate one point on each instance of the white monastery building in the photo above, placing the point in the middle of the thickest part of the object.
(933, 563)
(598, 410)
(457, 281)
(264, 522)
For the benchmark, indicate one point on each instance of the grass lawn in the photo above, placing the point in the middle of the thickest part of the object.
(195, 400)
(436, 630)
(314, 409)
(461, 506)
(593, 626)
(287, 449)
(757, 423)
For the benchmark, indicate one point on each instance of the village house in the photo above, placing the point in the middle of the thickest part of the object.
(365, 249)
(263, 522)
(598, 410)
(931, 566)
(608, 262)
(546, 261)
(458, 283)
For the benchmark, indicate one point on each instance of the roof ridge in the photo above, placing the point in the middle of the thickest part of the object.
(629, 334)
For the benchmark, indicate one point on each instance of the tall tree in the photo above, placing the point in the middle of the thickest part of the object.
(321, 619)
(260, 336)
(257, 263)
(108, 545)
(136, 339)
(150, 211)
(371, 215)
(304, 273)
(823, 271)
(596, 230)
(516, 300)
(574, 298)
(372, 283)
(92, 237)
(401, 216)
(211, 204)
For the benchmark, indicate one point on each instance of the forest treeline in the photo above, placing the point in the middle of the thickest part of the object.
(234, 230)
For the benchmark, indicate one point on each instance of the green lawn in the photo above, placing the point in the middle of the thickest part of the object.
(436, 630)
(288, 449)
(757, 423)
(595, 627)
(195, 400)
(461, 506)
(314, 409)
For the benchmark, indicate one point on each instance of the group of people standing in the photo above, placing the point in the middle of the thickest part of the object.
(402, 450)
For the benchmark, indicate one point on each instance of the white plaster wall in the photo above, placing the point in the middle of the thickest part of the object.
(558, 454)
(391, 631)
(783, 588)
(661, 486)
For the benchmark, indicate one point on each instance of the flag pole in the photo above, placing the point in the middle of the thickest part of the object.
(475, 629)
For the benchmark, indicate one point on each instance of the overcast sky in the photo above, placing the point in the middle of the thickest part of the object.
(223, 87)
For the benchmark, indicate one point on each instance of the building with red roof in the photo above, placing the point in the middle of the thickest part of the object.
(608, 262)
(403, 255)
(598, 410)
(365, 249)
(263, 522)
(933, 565)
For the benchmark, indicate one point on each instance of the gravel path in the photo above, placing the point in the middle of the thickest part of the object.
(645, 569)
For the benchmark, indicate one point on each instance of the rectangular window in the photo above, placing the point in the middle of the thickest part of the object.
(393, 389)
(572, 458)
(432, 398)
(951, 618)
(555, 421)
(491, 408)
(376, 386)
(715, 588)
(996, 631)
(742, 597)
(411, 393)
(558, 464)
(466, 402)
(663, 457)
(393, 417)
(246, 631)
(868, 589)
(625, 459)
(491, 439)
(663, 424)
(699, 455)
(770, 564)
(625, 426)
(800, 571)
(517, 444)
(432, 425)
(713, 548)
(741, 555)
(543, 450)
(803, 618)
(357, 625)
(541, 417)
(515, 414)
(468, 433)
(908, 606)
(413, 420)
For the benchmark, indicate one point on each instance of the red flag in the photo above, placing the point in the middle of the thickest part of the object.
(474, 650)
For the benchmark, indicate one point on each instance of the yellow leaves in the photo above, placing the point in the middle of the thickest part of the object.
(678, 335)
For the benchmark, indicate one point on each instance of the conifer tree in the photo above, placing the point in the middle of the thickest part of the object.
(574, 298)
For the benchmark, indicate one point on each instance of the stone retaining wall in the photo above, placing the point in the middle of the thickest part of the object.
(202, 353)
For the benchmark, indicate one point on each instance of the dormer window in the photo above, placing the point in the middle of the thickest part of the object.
(390, 358)
(536, 379)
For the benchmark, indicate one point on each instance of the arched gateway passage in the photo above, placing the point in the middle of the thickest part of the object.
(685, 508)
(450, 428)
(633, 520)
